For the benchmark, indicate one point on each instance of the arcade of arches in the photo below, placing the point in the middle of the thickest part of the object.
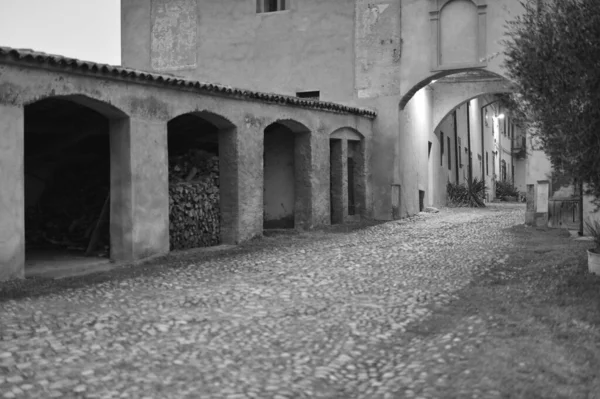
(89, 180)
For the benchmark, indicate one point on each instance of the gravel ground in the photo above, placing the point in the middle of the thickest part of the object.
(324, 318)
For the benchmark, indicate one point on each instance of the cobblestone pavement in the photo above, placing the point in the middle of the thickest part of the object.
(312, 319)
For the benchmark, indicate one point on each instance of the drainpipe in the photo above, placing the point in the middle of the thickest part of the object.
(456, 146)
(469, 142)
(483, 159)
(581, 208)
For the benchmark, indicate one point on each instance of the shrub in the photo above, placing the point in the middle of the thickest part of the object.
(462, 195)
(506, 189)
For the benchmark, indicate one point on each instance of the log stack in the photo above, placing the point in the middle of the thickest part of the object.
(194, 210)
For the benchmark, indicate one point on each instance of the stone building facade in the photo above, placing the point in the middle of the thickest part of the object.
(365, 90)
(369, 53)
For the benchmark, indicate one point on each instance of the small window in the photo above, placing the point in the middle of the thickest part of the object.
(487, 164)
(441, 148)
(310, 95)
(270, 5)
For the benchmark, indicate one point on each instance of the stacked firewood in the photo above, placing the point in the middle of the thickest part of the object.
(194, 210)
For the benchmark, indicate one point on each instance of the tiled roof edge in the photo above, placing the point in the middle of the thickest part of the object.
(27, 56)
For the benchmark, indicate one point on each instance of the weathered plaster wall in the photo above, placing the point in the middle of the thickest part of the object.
(12, 211)
(378, 47)
(520, 175)
(279, 52)
(538, 164)
(441, 172)
(174, 34)
(416, 130)
(139, 114)
(279, 186)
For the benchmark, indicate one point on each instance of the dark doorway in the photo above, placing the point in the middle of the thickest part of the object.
(353, 148)
(421, 200)
(286, 176)
(67, 184)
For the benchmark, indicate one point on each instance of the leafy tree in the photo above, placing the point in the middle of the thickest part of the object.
(553, 56)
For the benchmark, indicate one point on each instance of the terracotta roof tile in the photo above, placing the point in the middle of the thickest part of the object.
(27, 56)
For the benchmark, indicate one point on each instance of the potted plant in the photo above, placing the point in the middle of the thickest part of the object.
(594, 253)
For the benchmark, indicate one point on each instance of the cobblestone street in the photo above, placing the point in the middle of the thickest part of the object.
(326, 318)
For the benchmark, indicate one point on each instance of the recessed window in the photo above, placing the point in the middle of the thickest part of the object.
(310, 95)
(449, 155)
(271, 5)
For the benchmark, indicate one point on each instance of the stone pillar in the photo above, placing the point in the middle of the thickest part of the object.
(339, 180)
(319, 183)
(139, 205)
(12, 193)
(360, 178)
(303, 172)
(241, 177)
(530, 211)
(541, 203)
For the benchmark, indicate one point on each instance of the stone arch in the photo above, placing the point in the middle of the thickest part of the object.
(287, 175)
(205, 142)
(347, 157)
(293, 125)
(476, 73)
(219, 121)
(74, 145)
(446, 101)
(100, 106)
(348, 133)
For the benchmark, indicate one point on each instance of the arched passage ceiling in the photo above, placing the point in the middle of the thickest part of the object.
(452, 91)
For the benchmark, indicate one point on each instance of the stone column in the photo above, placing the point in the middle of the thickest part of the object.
(12, 193)
(304, 169)
(139, 204)
(339, 180)
(241, 175)
(319, 182)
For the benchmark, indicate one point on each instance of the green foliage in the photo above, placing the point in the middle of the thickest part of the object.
(506, 189)
(553, 57)
(463, 195)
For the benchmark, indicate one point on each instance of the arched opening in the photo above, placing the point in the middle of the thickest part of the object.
(483, 138)
(199, 193)
(67, 158)
(347, 175)
(287, 165)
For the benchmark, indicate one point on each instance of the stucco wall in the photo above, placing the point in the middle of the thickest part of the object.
(279, 52)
